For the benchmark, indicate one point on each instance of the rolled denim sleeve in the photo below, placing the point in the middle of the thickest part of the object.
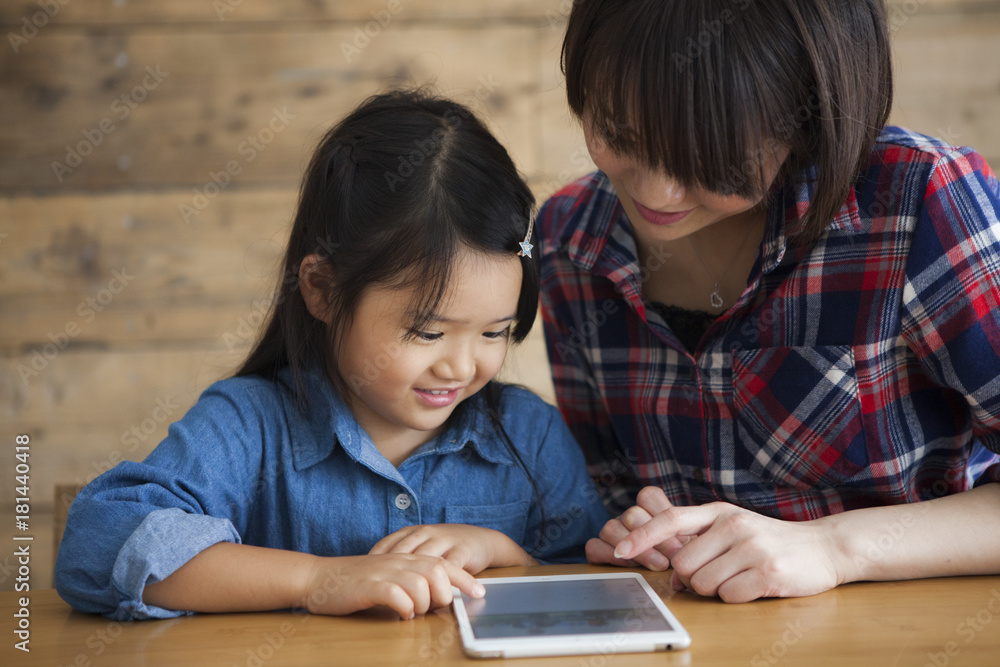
(139, 522)
(164, 541)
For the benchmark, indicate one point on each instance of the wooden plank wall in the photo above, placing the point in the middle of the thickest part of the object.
(118, 305)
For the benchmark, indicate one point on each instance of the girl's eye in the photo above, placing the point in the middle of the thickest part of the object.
(424, 335)
(497, 334)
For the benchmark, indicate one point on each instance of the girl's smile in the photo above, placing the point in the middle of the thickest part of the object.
(431, 370)
(438, 398)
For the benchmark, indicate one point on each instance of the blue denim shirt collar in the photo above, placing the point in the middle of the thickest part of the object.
(328, 413)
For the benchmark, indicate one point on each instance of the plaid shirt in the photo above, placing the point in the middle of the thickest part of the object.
(859, 370)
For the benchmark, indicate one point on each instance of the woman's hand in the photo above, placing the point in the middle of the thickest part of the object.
(731, 552)
(602, 549)
(406, 583)
(469, 547)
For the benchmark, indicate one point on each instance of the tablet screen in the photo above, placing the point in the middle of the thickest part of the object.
(573, 607)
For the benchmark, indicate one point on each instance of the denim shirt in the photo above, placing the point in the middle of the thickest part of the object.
(245, 465)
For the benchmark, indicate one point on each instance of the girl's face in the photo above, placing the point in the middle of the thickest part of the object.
(404, 387)
(660, 208)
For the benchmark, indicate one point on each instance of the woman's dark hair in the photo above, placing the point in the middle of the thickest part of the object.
(392, 193)
(708, 90)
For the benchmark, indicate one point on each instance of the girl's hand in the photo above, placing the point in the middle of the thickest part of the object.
(602, 549)
(734, 553)
(469, 547)
(408, 584)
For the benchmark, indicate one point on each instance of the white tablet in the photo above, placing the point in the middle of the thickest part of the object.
(566, 615)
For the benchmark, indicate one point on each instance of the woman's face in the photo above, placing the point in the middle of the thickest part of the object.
(660, 208)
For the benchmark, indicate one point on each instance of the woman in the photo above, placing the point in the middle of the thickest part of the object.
(774, 312)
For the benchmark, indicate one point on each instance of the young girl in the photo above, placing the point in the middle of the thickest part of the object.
(363, 454)
(781, 315)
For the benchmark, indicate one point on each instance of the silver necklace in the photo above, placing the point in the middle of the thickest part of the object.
(715, 298)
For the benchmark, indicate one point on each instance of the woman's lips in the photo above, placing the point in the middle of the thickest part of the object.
(660, 217)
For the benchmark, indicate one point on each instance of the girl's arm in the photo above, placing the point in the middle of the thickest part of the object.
(194, 490)
(229, 577)
(721, 549)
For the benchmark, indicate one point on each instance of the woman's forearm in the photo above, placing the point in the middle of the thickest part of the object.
(949, 536)
(235, 577)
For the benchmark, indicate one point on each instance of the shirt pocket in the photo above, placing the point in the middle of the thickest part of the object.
(799, 415)
(510, 519)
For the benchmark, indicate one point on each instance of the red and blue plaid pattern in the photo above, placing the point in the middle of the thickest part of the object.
(859, 370)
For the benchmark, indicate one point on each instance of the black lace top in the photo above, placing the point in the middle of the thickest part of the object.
(688, 325)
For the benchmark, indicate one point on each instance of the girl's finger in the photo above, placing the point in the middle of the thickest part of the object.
(653, 500)
(386, 544)
(613, 532)
(634, 517)
(618, 529)
(417, 586)
(462, 580)
(410, 542)
(668, 524)
(599, 551)
(393, 596)
(438, 548)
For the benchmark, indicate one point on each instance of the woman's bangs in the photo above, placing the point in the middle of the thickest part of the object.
(692, 112)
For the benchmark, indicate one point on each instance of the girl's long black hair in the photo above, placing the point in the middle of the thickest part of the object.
(392, 193)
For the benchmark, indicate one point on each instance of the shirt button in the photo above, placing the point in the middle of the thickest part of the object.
(699, 475)
(402, 501)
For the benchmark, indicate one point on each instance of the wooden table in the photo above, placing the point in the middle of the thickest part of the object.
(939, 622)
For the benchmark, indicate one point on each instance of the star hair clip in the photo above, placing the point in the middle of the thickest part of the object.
(525, 245)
